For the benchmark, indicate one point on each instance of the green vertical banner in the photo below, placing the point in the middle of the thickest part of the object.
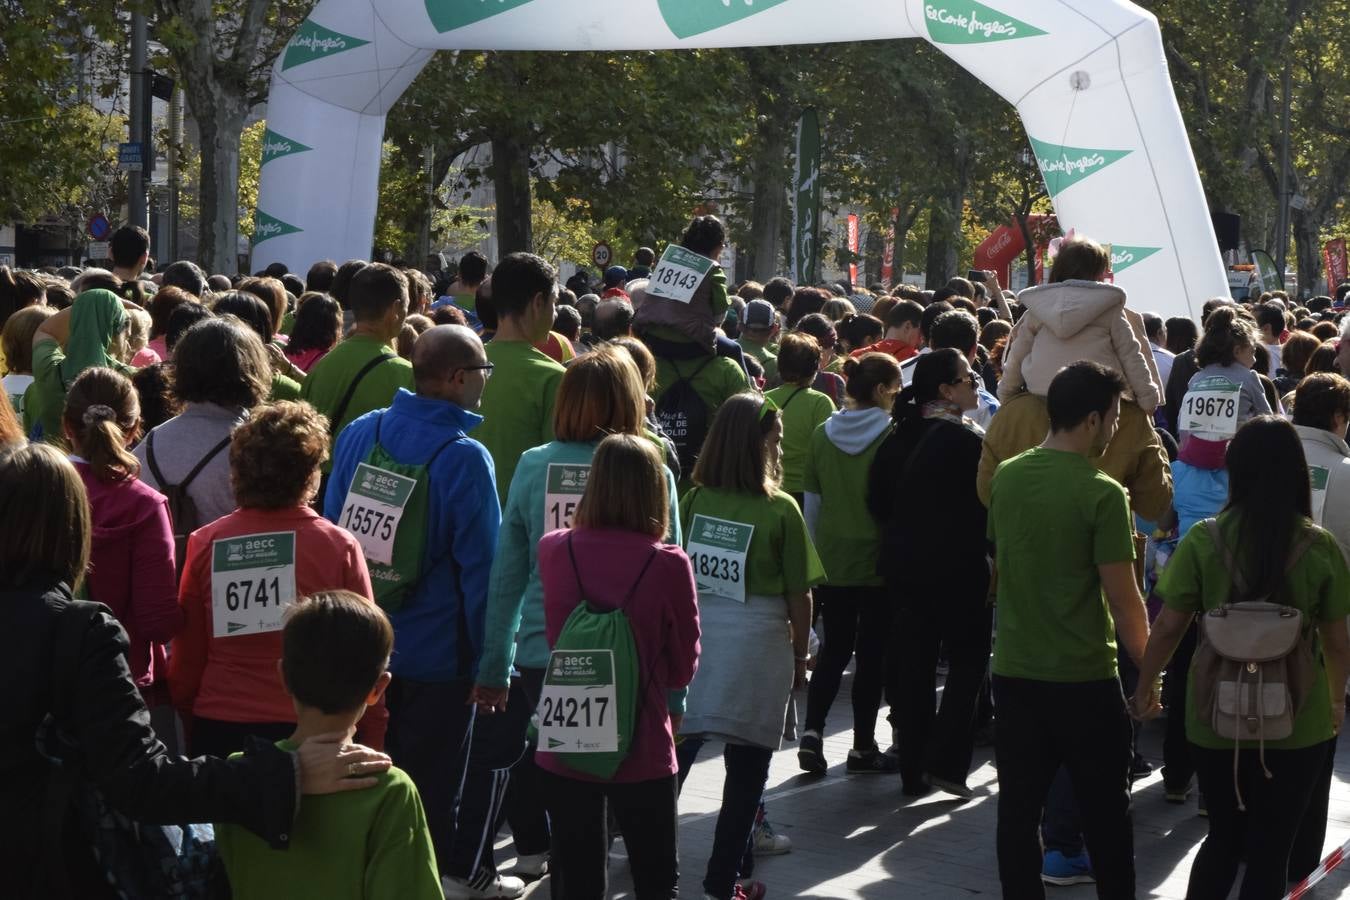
(806, 201)
(1272, 279)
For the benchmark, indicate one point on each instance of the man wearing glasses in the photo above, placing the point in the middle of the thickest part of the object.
(423, 504)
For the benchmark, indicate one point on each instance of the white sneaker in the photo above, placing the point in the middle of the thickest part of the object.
(769, 843)
(487, 886)
(531, 866)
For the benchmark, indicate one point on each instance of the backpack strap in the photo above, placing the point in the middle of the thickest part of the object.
(351, 392)
(192, 473)
(576, 573)
(632, 591)
(680, 376)
(790, 399)
(201, 464)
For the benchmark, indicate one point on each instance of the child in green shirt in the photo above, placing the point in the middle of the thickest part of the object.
(358, 844)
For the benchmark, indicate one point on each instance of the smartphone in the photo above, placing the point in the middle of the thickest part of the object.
(975, 276)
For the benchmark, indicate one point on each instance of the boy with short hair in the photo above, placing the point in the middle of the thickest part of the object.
(372, 843)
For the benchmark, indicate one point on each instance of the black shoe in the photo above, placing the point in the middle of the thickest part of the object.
(810, 753)
(871, 762)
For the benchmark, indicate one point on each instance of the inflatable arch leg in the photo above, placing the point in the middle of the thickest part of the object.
(1089, 81)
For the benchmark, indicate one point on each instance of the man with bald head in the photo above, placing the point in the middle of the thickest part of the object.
(420, 496)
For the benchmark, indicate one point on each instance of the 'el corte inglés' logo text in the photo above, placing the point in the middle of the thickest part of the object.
(266, 227)
(686, 18)
(969, 22)
(1123, 257)
(1063, 167)
(276, 146)
(447, 15)
(312, 41)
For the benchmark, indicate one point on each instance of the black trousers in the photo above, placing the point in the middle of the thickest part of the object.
(857, 623)
(1084, 727)
(647, 817)
(525, 808)
(1306, 854)
(1263, 835)
(930, 617)
(460, 763)
(1178, 769)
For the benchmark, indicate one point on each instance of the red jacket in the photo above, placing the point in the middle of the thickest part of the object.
(131, 568)
(235, 679)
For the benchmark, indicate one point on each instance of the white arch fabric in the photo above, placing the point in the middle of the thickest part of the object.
(1088, 79)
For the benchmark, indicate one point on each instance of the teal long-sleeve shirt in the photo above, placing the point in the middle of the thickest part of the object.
(536, 503)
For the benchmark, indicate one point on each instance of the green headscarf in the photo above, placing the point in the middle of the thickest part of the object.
(96, 318)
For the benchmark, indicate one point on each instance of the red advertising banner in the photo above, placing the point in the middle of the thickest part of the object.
(853, 248)
(1333, 255)
(888, 253)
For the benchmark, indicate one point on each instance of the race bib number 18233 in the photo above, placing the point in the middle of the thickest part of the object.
(717, 550)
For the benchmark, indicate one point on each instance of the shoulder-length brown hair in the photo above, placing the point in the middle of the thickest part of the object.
(601, 393)
(737, 454)
(627, 488)
(44, 516)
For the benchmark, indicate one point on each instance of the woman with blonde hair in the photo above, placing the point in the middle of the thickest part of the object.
(601, 394)
(131, 560)
(754, 566)
(614, 557)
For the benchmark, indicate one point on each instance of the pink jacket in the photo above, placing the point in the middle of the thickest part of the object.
(1071, 321)
(663, 615)
(131, 568)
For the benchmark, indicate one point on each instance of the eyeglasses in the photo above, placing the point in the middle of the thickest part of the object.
(485, 368)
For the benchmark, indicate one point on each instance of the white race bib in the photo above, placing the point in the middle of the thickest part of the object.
(563, 487)
(1210, 408)
(1318, 477)
(252, 583)
(373, 509)
(678, 274)
(578, 709)
(717, 550)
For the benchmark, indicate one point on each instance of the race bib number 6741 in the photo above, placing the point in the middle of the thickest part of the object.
(252, 583)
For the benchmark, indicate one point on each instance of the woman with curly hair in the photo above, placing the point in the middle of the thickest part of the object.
(244, 570)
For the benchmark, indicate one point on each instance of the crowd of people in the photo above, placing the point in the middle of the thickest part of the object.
(481, 552)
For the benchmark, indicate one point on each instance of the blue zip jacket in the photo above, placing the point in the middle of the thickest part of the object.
(462, 523)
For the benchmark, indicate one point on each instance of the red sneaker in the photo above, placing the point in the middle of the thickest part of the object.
(750, 890)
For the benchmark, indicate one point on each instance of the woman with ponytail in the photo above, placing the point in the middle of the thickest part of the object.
(131, 565)
(921, 492)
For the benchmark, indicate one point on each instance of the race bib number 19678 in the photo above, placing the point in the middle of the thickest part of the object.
(1210, 408)
(252, 583)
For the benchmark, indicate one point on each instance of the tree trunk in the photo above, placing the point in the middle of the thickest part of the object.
(766, 220)
(511, 181)
(1308, 252)
(219, 127)
(944, 222)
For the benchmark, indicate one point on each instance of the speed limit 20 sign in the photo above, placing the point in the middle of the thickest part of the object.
(602, 255)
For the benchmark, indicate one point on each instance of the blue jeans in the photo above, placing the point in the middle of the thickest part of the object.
(747, 773)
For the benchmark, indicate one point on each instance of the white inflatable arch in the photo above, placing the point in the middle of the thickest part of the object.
(1088, 79)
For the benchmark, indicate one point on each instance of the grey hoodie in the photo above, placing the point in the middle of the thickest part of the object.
(854, 430)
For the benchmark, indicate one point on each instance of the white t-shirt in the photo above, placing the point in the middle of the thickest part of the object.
(1274, 351)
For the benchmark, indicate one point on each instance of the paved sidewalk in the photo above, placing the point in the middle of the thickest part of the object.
(859, 838)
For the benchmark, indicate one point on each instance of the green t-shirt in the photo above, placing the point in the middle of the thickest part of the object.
(517, 406)
(846, 535)
(45, 399)
(354, 845)
(1054, 518)
(806, 410)
(1196, 579)
(284, 388)
(327, 382)
(781, 557)
(766, 358)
